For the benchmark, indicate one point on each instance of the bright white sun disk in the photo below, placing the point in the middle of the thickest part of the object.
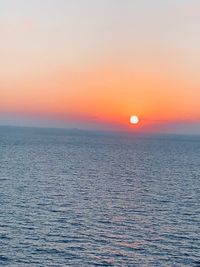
(134, 119)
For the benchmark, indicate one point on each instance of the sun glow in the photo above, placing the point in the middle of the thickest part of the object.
(134, 119)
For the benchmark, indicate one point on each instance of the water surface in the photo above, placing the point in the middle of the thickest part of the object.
(72, 198)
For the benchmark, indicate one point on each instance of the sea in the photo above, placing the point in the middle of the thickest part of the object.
(83, 198)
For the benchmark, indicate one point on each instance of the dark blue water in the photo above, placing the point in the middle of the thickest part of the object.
(71, 198)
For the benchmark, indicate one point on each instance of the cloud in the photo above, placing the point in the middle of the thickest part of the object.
(16, 25)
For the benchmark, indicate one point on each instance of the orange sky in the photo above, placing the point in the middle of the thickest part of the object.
(101, 70)
(107, 94)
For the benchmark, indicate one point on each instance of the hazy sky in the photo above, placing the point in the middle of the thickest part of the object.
(93, 63)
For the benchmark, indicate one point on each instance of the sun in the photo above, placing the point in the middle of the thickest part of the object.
(134, 119)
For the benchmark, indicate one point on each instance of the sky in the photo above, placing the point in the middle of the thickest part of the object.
(91, 64)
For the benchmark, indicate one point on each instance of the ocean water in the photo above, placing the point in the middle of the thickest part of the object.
(72, 198)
